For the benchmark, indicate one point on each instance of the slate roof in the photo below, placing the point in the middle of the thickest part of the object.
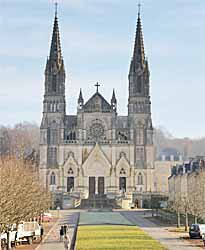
(122, 122)
(97, 103)
(71, 121)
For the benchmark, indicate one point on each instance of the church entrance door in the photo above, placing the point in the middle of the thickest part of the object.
(91, 186)
(122, 184)
(70, 184)
(101, 185)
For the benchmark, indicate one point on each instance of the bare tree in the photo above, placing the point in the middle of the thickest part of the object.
(22, 196)
(185, 208)
(176, 206)
(23, 138)
(197, 195)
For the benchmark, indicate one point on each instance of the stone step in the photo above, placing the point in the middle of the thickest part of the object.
(96, 202)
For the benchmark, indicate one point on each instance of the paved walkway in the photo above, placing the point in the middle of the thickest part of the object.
(168, 239)
(51, 240)
(102, 218)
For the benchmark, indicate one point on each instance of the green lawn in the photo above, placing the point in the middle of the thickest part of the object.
(115, 237)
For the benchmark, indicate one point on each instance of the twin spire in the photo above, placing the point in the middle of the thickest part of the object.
(55, 50)
(138, 55)
(138, 58)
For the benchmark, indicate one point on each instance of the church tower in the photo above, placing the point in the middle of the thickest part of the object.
(54, 98)
(54, 105)
(139, 104)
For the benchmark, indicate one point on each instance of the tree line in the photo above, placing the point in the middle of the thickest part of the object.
(26, 136)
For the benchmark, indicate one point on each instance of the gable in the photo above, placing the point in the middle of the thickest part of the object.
(97, 103)
(123, 164)
(97, 163)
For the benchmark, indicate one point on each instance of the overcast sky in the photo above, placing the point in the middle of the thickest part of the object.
(97, 42)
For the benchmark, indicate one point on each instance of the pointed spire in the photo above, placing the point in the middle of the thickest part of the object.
(55, 51)
(139, 54)
(80, 98)
(113, 100)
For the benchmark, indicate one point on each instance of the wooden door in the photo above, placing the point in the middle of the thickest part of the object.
(91, 186)
(70, 184)
(101, 185)
(122, 184)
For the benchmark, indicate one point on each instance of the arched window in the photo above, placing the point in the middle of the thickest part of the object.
(54, 83)
(52, 156)
(53, 179)
(53, 136)
(140, 179)
(139, 84)
(140, 134)
(71, 136)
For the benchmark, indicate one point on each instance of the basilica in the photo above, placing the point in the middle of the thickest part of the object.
(97, 151)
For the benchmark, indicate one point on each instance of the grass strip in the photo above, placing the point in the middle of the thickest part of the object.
(115, 237)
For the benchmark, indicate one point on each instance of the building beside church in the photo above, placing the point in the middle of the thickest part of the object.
(97, 151)
(187, 187)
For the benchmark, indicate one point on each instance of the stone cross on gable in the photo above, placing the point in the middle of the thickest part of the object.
(97, 85)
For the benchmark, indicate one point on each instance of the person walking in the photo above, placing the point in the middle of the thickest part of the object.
(203, 238)
(61, 233)
(65, 229)
(66, 242)
(42, 231)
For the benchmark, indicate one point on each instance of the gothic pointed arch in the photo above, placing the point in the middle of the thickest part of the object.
(52, 178)
(123, 166)
(70, 165)
(97, 163)
(140, 179)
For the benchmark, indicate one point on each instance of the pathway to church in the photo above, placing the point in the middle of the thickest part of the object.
(52, 239)
(71, 218)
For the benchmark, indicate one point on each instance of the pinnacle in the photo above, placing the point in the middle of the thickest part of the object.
(113, 96)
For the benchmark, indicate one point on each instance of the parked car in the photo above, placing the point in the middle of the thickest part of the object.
(196, 230)
(28, 231)
(47, 217)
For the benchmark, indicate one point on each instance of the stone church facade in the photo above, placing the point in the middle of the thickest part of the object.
(97, 151)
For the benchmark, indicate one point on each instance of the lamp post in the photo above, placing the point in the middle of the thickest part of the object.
(58, 209)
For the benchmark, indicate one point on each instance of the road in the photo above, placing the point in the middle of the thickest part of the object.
(168, 239)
